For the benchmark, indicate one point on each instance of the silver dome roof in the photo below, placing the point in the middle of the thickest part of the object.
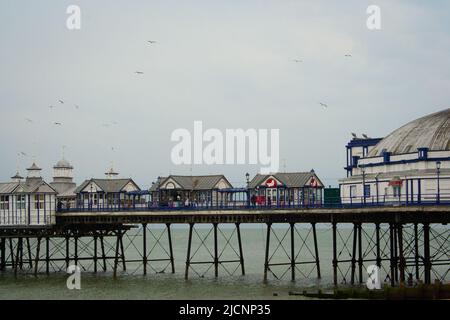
(432, 132)
(63, 164)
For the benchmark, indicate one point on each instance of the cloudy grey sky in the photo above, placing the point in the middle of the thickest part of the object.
(227, 63)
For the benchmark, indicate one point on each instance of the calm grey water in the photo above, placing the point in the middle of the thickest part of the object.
(201, 284)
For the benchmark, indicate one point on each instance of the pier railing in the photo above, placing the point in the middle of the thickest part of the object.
(442, 199)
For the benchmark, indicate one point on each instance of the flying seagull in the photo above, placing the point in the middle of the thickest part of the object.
(151, 41)
(323, 104)
(138, 72)
(297, 60)
(354, 135)
(365, 136)
(29, 120)
(61, 101)
(57, 123)
(51, 107)
(23, 153)
(348, 55)
(77, 106)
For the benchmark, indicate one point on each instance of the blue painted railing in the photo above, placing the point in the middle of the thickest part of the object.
(353, 202)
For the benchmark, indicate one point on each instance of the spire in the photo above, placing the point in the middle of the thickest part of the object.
(110, 174)
(34, 172)
(17, 177)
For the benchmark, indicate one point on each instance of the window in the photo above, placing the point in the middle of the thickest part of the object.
(352, 191)
(20, 202)
(4, 202)
(367, 190)
(39, 201)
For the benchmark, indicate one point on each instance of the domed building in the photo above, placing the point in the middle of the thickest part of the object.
(63, 183)
(410, 165)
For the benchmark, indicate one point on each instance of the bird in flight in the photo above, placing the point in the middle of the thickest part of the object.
(297, 60)
(348, 55)
(23, 153)
(323, 104)
(138, 72)
(51, 107)
(354, 135)
(365, 136)
(29, 120)
(57, 123)
(151, 41)
(61, 101)
(77, 106)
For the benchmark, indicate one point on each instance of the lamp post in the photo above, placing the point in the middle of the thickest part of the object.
(363, 170)
(376, 185)
(247, 177)
(438, 169)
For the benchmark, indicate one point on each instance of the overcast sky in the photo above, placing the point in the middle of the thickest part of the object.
(226, 63)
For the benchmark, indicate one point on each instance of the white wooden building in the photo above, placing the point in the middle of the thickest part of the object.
(109, 193)
(31, 202)
(410, 165)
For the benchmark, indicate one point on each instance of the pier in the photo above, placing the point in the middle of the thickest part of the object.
(401, 239)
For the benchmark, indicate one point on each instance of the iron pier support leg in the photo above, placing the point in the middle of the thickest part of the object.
(144, 247)
(241, 252)
(188, 258)
(392, 254)
(378, 245)
(76, 251)
(17, 260)
(116, 256)
(355, 240)
(47, 255)
(172, 260)
(396, 253)
(124, 265)
(95, 254)
(20, 251)
(216, 252)
(102, 245)
(36, 259)
(292, 226)
(416, 250)
(316, 250)
(67, 253)
(266, 259)
(426, 250)
(2, 254)
(400, 249)
(30, 258)
(360, 254)
(11, 250)
(335, 261)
